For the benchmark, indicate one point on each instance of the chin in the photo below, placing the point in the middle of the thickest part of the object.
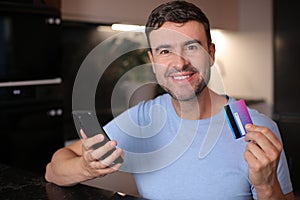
(181, 97)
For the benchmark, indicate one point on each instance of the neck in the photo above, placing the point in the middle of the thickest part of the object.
(205, 105)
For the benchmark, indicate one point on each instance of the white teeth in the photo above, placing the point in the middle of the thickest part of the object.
(180, 77)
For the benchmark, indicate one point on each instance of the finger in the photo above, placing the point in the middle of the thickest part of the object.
(89, 157)
(96, 169)
(250, 158)
(106, 170)
(259, 139)
(263, 149)
(83, 135)
(262, 146)
(269, 135)
(109, 160)
(89, 142)
(101, 151)
(256, 151)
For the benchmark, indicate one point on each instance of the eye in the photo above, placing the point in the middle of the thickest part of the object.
(165, 52)
(193, 47)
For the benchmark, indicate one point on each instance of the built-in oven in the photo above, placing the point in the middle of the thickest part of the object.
(31, 121)
(31, 102)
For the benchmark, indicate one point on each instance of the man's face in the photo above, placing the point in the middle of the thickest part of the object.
(181, 58)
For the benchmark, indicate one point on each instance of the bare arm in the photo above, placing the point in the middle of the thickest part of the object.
(262, 155)
(79, 162)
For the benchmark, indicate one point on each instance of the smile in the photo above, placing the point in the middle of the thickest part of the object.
(181, 77)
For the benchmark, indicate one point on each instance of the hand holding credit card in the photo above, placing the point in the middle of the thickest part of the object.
(237, 116)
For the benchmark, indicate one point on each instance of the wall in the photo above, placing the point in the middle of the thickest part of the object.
(244, 57)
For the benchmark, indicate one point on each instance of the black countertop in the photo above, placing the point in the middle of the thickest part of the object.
(20, 184)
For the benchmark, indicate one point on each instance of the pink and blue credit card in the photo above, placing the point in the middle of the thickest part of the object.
(237, 116)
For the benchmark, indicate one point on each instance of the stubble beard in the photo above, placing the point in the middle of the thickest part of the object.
(198, 90)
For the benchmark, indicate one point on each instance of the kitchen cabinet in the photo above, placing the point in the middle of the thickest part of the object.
(290, 132)
(31, 130)
(31, 102)
(222, 14)
(286, 82)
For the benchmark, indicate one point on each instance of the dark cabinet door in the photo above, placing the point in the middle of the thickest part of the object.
(287, 82)
(30, 133)
(290, 133)
(286, 58)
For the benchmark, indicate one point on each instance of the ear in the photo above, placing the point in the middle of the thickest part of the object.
(212, 51)
(152, 61)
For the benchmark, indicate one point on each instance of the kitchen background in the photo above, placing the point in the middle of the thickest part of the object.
(43, 43)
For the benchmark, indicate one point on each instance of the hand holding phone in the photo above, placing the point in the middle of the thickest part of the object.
(88, 122)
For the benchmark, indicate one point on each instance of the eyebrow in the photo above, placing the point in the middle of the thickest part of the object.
(192, 42)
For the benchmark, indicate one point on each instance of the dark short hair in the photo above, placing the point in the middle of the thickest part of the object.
(178, 12)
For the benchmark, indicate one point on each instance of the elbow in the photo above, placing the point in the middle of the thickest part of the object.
(48, 173)
(51, 177)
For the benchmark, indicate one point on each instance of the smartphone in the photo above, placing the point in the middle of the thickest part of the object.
(88, 122)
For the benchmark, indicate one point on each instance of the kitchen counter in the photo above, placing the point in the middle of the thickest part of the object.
(17, 184)
(20, 184)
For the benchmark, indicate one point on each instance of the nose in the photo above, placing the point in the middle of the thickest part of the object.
(179, 61)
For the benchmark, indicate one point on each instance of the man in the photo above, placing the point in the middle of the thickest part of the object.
(181, 53)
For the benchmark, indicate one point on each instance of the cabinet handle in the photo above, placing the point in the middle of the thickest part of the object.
(31, 82)
(55, 112)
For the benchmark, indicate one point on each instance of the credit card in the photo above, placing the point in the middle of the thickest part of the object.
(237, 116)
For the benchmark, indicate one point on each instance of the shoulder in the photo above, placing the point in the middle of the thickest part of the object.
(261, 119)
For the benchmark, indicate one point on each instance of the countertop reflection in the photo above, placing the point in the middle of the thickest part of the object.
(20, 184)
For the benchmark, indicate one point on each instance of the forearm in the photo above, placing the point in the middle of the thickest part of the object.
(65, 168)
